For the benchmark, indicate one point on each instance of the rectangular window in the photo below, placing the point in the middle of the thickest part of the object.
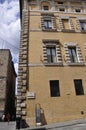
(38, 114)
(83, 25)
(51, 54)
(54, 88)
(60, 2)
(78, 87)
(77, 10)
(45, 7)
(47, 24)
(61, 9)
(65, 23)
(73, 54)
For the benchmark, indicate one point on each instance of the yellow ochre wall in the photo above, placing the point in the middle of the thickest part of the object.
(67, 106)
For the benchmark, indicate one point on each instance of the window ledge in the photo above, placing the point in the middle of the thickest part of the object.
(49, 30)
(53, 64)
(76, 64)
(68, 30)
(83, 31)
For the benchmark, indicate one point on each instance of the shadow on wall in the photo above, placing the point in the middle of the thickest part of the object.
(43, 119)
(23, 124)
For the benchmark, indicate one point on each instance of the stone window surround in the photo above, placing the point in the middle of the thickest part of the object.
(79, 54)
(71, 26)
(78, 19)
(67, 7)
(46, 16)
(55, 43)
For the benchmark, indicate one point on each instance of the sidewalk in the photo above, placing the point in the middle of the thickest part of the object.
(68, 125)
(6, 126)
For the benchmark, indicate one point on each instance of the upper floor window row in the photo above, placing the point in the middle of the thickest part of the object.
(53, 55)
(51, 23)
(47, 5)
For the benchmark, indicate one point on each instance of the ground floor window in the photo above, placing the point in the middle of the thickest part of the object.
(54, 88)
(78, 87)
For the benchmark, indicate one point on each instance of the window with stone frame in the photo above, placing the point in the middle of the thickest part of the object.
(81, 24)
(78, 87)
(48, 22)
(78, 10)
(62, 9)
(60, 2)
(66, 24)
(45, 7)
(52, 52)
(73, 53)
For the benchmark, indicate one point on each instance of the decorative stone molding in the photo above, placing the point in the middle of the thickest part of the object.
(51, 17)
(58, 50)
(78, 51)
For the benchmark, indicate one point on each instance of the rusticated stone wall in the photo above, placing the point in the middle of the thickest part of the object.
(23, 62)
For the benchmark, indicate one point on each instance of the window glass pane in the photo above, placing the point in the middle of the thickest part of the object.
(45, 7)
(73, 54)
(54, 88)
(78, 10)
(48, 55)
(54, 54)
(51, 54)
(78, 87)
(50, 24)
(62, 9)
(60, 2)
(47, 24)
(38, 118)
(54, 51)
(48, 51)
(83, 25)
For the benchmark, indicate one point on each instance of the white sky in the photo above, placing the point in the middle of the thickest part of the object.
(10, 27)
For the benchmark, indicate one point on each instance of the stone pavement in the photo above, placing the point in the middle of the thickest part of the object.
(6, 126)
(69, 125)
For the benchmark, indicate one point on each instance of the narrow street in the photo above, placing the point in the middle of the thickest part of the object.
(73, 125)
